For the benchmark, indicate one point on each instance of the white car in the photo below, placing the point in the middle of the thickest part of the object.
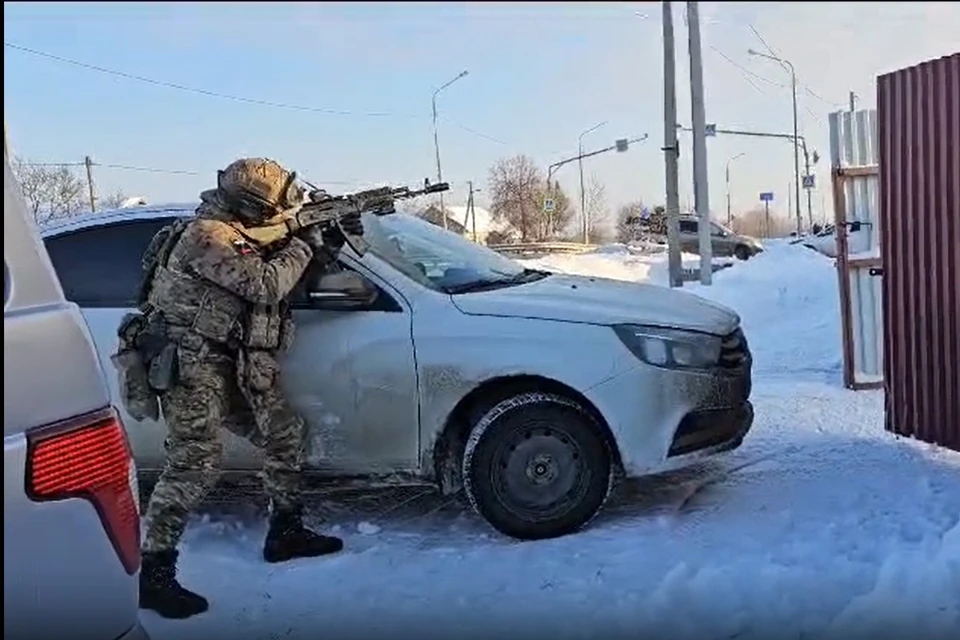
(456, 365)
(71, 521)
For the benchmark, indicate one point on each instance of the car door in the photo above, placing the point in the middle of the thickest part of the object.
(721, 242)
(352, 374)
(689, 238)
(99, 268)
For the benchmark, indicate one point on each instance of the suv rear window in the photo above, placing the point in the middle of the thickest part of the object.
(100, 266)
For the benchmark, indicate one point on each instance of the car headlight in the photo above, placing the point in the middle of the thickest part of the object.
(671, 348)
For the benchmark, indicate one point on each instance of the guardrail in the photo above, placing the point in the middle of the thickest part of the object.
(541, 248)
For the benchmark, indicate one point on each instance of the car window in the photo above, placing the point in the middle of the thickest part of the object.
(716, 229)
(688, 226)
(100, 266)
(432, 256)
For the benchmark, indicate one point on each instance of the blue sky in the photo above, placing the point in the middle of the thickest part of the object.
(539, 75)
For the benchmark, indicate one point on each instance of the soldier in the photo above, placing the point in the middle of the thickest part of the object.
(221, 298)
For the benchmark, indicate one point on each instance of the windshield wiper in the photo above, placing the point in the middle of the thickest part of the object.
(523, 277)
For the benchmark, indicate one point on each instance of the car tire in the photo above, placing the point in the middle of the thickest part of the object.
(537, 466)
(742, 252)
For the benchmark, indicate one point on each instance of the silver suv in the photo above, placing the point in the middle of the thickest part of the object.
(71, 523)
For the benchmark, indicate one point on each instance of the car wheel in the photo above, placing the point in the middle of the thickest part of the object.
(741, 252)
(537, 466)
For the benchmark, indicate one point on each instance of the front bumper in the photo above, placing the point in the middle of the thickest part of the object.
(665, 418)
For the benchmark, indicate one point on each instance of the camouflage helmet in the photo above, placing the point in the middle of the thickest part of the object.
(256, 189)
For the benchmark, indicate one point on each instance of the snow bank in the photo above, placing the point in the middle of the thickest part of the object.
(615, 261)
(786, 296)
(788, 301)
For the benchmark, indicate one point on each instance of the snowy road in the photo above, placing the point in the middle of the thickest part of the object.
(820, 526)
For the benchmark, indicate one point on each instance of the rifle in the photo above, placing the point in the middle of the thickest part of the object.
(326, 210)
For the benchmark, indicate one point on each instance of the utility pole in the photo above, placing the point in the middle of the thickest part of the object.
(727, 177)
(808, 189)
(671, 146)
(93, 201)
(796, 135)
(471, 212)
(436, 141)
(701, 194)
(853, 102)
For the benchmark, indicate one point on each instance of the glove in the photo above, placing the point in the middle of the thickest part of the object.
(352, 224)
(313, 236)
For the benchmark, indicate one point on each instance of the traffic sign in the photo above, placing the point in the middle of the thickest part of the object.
(766, 196)
(710, 130)
(809, 181)
(549, 205)
(622, 145)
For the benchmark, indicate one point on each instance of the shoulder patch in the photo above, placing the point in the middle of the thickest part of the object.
(244, 248)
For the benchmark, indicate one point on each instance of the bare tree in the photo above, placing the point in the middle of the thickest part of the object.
(628, 216)
(519, 195)
(755, 223)
(50, 192)
(515, 184)
(67, 193)
(35, 185)
(598, 214)
(114, 201)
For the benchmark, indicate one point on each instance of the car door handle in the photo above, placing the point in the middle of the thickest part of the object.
(328, 295)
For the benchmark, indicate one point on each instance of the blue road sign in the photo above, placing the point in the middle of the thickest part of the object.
(766, 196)
(809, 181)
(710, 130)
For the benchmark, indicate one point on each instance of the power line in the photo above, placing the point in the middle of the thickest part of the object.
(800, 84)
(746, 73)
(225, 96)
(126, 167)
(206, 92)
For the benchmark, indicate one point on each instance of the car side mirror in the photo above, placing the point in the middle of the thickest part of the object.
(342, 291)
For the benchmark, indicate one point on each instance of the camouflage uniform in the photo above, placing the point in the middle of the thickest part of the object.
(222, 384)
(221, 300)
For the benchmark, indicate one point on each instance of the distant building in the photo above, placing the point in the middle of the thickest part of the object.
(485, 223)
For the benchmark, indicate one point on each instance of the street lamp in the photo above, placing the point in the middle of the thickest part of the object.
(729, 215)
(436, 140)
(583, 194)
(796, 149)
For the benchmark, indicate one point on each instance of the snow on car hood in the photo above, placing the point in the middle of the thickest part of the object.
(592, 300)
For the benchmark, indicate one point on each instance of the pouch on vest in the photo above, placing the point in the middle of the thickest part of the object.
(162, 374)
(138, 398)
(263, 327)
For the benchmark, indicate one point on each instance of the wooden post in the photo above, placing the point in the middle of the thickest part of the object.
(93, 201)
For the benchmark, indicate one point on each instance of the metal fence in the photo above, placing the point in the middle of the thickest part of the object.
(919, 159)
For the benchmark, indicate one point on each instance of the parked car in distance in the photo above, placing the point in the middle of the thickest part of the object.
(71, 525)
(725, 242)
(448, 363)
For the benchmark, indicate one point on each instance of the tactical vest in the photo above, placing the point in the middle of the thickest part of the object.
(191, 303)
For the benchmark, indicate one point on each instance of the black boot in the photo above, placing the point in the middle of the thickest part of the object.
(288, 539)
(160, 591)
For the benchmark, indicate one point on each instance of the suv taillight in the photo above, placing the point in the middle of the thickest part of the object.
(89, 457)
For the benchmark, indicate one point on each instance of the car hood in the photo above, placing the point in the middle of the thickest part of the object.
(591, 300)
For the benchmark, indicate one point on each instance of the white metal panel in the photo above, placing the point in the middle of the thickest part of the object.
(853, 145)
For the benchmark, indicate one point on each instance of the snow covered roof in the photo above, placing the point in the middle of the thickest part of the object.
(485, 222)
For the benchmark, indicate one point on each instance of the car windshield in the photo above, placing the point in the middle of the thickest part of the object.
(440, 259)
